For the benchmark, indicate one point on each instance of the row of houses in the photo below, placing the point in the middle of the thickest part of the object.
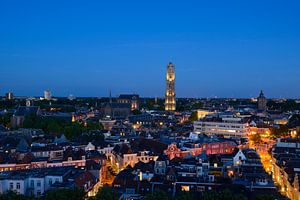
(195, 174)
(36, 182)
(286, 166)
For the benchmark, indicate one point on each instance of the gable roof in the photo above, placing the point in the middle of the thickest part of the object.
(144, 167)
(122, 149)
(22, 146)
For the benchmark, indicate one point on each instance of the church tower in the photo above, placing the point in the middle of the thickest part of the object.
(170, 104)
(262, 102)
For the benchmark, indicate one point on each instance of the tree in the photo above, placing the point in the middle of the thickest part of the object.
(91, 126)
(7, 104)
(282, 131)
(14, 196)
(222, 195)
(55, 126)
(185, 196)
(136, 112)
(73, 130)
(30, 121)
(5, 119)
(105, 193)
(66, 194)
(161, 195)
(265, 197)
(197, 105)
(194, 116)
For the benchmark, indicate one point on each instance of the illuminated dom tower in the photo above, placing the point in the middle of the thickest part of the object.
(170, 104)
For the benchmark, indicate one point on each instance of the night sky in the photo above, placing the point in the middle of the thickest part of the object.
(85, 48)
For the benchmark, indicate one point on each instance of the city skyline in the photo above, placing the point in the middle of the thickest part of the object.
(149, 100)
(220, 50)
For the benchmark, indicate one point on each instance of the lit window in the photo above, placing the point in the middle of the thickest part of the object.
(185, 188)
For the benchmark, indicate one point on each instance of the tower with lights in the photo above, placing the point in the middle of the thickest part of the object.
(170, 103)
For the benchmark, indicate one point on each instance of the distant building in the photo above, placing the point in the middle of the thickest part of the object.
(116, 110)
(47, 95)
(132, 99)
(170, 102)
(228, 126)
(71, 97)
(107, 123)
(203, 113)
(9, 96)
(20, 114)
(262, 102)
(29, 102)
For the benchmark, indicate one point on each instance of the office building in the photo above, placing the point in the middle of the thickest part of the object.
(47, 95)
(228, 126)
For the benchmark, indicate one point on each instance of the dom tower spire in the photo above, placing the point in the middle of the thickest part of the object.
(262, 102)
(170, 104)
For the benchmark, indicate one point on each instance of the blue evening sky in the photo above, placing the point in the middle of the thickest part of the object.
(85, 48)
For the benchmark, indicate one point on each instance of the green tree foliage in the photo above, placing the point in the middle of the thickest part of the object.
(288, 105)
(185, 196)
(93, 126)
(194, 116)
(282, 131)
(7, 104)
(136, 112)
(92, 136)
(56, 126)
(150, 104)
(198, 105)
(105, 193)
(158, 195)
(5, 119)
(13, 196)
(72, 130)
(222, 195)
(265, 197)
(66, 194)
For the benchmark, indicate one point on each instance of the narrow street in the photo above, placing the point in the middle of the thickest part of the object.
(109, 174)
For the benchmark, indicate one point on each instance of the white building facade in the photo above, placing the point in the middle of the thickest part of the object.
(227, 126)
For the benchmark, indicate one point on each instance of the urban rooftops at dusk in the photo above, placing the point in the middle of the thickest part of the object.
(149, 100)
